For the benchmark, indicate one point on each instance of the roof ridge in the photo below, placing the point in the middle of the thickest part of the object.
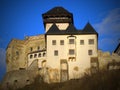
(58, 10)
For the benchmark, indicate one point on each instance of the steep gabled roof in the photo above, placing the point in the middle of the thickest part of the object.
(71, 29)
(53, 30)
(89, 29)
(57, 11)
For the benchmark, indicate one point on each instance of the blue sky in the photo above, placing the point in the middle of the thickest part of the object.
(19, 18)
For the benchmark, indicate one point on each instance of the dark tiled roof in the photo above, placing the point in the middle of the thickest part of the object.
(71, 30)
(57, 11)
(53, 30)
(89, 29)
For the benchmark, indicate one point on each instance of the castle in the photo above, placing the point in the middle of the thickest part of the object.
(61, 54)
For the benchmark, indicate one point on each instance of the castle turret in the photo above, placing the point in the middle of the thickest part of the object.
(58, 15)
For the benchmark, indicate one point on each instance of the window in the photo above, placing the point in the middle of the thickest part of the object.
(31, 49)
(90, 52)
(53, 42)
(35, 55)
(71, 52)
(31, 56)
(44, 54)
(81, 42)
(71, 41)
(61, 42)
(39, 55)
(15, 81)
(56, 53)
(17, 53)
(91, 41)
(38, 48)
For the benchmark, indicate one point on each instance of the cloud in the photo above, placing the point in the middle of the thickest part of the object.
(111, 23)
(109, 30)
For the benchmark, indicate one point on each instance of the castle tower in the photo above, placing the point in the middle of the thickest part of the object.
(58, 15)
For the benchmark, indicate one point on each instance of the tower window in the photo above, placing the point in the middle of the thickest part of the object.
(81, 42)
(91, 41)
(53, 42)
(71, 41)
(90, 52)
(71, 52)
(61, 42)
(56, 53)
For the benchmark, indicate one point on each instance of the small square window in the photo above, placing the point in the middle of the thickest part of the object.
(71, 41)
(53, 42)
(90, 52)
(91, 41)
(71, 52)
(81, 42)
(56, 53)
(61, 42)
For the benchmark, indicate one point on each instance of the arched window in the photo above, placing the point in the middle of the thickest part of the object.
(44, 54)
(35, 55)
(31, 56)
(39, 55)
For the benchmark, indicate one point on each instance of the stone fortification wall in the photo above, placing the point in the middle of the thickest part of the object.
(17, 51)
(18, 78)
(107, 60)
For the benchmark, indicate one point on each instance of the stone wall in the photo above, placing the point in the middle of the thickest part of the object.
(17, 51)
(105, 58)
(18, 78)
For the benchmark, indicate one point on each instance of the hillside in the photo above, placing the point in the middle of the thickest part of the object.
(103, 80)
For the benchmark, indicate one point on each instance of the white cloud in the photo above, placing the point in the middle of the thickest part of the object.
(111, 23)
(109, 30)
